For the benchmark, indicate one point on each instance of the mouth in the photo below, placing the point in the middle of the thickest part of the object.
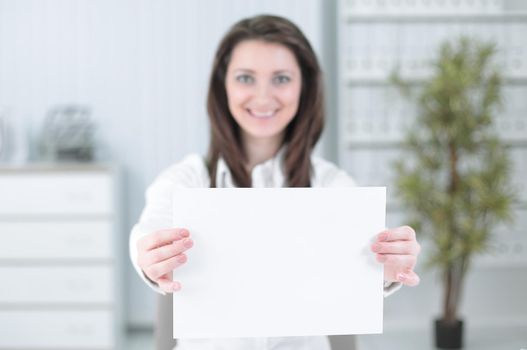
(262, 114)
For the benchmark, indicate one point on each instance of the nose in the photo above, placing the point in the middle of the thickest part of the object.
(264, 92)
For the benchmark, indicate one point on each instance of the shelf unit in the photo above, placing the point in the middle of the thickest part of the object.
(59, 260)
(377, 36)
(374, 38)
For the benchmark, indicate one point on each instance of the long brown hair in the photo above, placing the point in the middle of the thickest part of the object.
(303, 131)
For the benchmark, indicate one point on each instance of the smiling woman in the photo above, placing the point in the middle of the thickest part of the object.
(265, 106)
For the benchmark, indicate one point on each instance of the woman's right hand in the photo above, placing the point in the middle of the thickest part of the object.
(160, 252)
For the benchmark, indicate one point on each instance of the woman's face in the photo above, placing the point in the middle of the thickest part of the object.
(263, 84)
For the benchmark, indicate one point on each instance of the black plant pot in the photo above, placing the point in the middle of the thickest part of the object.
(449, 335)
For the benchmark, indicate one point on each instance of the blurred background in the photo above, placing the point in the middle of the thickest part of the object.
(97, 97)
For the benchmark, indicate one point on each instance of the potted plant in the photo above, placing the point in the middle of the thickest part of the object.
(455, 182)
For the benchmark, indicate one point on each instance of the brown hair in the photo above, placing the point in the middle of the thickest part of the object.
(303, 131)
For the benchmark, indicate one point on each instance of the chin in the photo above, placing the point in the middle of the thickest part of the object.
(259, 134)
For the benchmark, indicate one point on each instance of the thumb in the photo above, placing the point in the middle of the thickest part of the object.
(409, 278)
(167, 285)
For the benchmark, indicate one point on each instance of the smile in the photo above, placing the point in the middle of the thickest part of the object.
(262, 115)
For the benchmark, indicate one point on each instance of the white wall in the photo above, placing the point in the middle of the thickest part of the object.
(142, 66)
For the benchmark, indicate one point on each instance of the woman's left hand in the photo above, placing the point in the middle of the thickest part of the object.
(397, 249)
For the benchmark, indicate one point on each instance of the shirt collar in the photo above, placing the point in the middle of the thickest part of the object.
(266, 174)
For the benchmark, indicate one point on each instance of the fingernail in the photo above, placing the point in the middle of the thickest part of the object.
(176, 286)
(375, 247)
(401, 277)
(188, 243)
(382, 237)
(182, 258)
(184, 233)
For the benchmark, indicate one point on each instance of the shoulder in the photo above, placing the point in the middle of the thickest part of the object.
(191, 171)
(327, 174)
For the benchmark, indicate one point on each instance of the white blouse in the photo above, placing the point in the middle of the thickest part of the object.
(192, 172)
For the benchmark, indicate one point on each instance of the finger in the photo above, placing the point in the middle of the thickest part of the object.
(155, 271)
(396, 247)
(409, 278)
(167, 285)
(397, 262)
(401, 233)
(165, 252)
(161, 237)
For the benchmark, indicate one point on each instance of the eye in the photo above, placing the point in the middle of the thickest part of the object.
(281, 79)
(245, 79)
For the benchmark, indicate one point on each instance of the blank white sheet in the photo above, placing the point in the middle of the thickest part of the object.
(279, 262)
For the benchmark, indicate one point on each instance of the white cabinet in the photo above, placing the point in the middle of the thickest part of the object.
(58, 329)
(59, 272)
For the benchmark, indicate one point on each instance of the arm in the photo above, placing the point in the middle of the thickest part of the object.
(157, 218)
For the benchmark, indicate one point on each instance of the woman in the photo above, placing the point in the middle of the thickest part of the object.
(265, 105)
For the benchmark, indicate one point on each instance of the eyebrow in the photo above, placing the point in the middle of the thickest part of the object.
(246, 70)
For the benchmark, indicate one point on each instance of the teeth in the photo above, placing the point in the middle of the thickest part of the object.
(262, 114)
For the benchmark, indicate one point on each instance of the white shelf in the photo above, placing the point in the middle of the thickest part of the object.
(427, 17)
(383, 79)
(513, 133)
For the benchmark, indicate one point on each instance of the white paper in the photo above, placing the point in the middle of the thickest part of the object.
(279, 262)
